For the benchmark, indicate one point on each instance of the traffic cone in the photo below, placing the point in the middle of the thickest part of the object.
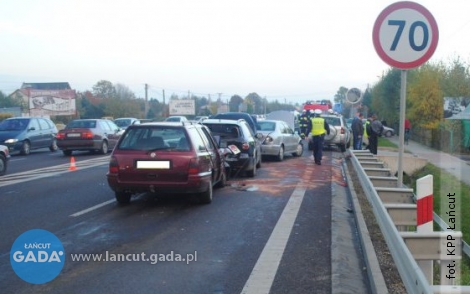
(72, 164)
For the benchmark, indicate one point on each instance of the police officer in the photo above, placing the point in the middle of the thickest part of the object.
(317, 128)
(303, 123)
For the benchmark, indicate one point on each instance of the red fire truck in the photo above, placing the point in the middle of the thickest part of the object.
(323, 105)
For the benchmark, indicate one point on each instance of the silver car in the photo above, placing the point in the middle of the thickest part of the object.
(340, 135)
(279, 139)
(4, 157)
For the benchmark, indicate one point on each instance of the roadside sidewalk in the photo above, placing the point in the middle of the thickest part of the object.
(452, 164)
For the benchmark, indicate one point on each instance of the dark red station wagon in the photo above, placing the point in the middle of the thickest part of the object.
(166, 157)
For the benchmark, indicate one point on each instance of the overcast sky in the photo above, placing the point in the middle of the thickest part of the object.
(289, 50)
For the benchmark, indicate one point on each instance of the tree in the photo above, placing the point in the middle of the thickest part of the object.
(234, 103)
(123, 92)
(104, 89)
(425, 96)
(340, 96)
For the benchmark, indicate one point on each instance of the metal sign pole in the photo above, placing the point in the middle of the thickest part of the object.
(401, 135)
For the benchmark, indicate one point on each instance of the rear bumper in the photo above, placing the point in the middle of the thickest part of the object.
(79, 145)
(194, 184)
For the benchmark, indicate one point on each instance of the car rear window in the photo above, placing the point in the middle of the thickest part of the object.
(90, 124)
(225, 130)
(266, 126)
(333, 121)
(155, 138)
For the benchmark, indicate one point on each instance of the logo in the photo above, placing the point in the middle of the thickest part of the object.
(37, 256)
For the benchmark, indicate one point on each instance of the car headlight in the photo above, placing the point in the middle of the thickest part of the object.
(11, 141)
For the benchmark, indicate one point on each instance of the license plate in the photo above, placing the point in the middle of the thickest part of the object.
(73, 135)
(151, 164)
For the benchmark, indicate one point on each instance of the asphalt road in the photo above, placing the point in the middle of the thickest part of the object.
(269, 232)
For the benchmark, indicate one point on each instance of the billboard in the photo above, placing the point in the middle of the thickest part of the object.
(182, 107)
(52, 102)
(455, 107)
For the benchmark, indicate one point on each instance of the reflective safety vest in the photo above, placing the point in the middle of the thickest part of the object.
(365, 128)
(318, 126)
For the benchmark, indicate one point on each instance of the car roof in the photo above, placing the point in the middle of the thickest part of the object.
(221, 121)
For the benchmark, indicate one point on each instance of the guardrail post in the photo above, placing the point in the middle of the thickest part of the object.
(424, 220)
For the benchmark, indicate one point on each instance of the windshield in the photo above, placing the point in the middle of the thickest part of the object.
(13, 125)
(122, 122)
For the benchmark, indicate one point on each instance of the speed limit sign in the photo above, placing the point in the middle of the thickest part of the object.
(405, 35)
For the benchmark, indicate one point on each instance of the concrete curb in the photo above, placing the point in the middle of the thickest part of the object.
(374, 273)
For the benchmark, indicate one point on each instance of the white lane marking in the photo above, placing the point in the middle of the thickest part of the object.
(262, 276)
(92, 208)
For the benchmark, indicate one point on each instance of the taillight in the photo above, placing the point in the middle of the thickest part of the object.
(245, 146)
(342, 131)
(87, 135)
(60, 136)
(113, 165)
(193, 168)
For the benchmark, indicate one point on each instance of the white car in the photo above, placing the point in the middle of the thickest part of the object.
(279, 139)
(176, 118)
(4, 157)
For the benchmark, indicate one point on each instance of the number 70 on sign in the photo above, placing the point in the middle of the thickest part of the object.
(405, 35)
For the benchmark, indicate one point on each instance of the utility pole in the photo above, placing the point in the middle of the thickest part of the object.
(146, 101)
(164, 107)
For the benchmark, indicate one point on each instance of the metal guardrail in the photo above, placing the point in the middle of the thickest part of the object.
(415, 281)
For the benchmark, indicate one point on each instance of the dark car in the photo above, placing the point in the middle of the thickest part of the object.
(251, 120)
(88, 134)
(237, 133)
(124, 122)
(166, 157)
(4, 157)
(23, 134)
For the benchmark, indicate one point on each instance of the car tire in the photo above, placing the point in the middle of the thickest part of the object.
(206, 196)
(280, 156)
(123, 197)
(300, 150)
(67, 152)
(53, 146)
(104, 148)
(388, 134)
(252, 173)
(3, 164)
(260, 159)
(25, 148)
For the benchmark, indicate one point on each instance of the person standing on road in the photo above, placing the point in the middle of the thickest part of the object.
(317, 128)
(358, 131)
(407, 130)
(365, 137)
(375, 129)
(303, 123)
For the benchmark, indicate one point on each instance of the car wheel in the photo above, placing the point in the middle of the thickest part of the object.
(223, 179)
(388, 134)
(3, 164)
(123, 197)
(25, 148)
(300, 150)
(260, 159)
(252, 173)
(104, 148)
(280, 156)
(67, 152)
(53, 146)
(206, 196)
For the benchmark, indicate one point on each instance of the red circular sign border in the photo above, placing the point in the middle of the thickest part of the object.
(375, 35)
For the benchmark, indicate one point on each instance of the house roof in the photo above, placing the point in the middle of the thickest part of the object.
(47, 86)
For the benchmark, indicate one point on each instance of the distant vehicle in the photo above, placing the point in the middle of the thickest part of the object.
(388, 132)
(323, 105)
(237, 133)
(162, 157)
(4, 157)
(88, 134)
(200, 119)
(279, 139)
(250, 119)
(176, 118)
(340, 134)
(23, 134)
(124, 122)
